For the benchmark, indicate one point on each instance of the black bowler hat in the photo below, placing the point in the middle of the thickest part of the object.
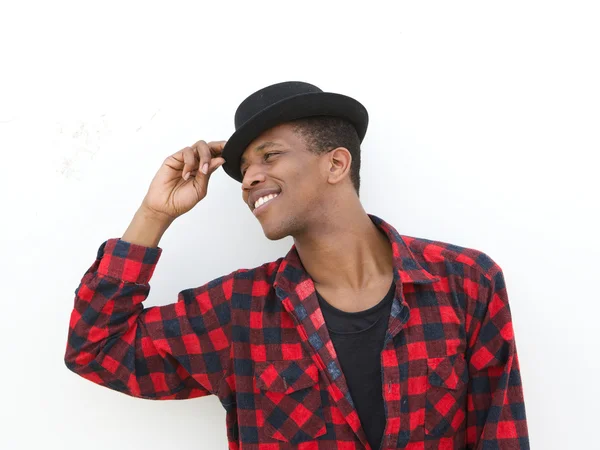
(283, 102)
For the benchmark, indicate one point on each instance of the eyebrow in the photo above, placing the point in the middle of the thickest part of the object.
(260, 148)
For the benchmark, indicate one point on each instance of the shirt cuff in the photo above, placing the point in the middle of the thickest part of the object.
(128, 262)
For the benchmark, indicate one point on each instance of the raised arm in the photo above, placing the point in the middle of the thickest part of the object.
(180, 350)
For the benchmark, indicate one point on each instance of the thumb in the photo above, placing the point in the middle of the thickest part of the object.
(215, 163)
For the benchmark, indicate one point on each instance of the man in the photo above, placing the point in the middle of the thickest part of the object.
(359, 338)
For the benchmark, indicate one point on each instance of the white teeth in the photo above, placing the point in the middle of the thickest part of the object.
(261, 201)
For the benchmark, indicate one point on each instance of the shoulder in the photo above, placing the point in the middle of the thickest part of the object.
(265, 271)
(440, 257)
(244, 282)
(254, 281)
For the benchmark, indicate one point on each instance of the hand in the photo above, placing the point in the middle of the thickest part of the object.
(182, 180)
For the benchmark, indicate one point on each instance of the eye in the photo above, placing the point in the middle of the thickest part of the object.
(265, 157)
(270, 154)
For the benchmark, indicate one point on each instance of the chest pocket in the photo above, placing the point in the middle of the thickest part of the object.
(289, 400)
(445, 407)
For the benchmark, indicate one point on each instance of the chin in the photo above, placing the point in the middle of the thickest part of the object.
(276, 229)
(275, 234)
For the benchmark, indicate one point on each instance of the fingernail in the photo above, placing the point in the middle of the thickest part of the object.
(205, 168)
(186, 176)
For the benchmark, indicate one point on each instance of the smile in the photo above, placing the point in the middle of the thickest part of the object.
(262, 202)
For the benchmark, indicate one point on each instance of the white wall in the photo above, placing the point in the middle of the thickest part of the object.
(483, 133)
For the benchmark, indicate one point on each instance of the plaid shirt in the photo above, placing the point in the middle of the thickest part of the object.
(257, 340)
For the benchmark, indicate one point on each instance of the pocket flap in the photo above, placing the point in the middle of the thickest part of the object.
(447, 372)
(286, 376)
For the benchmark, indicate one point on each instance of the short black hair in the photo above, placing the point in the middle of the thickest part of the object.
(325, 133)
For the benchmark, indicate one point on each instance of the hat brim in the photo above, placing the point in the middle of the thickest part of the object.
(296, 107)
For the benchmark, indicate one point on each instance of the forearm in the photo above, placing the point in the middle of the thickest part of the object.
(496, 409)
(146, 228)
(117, 343)
(107, 303)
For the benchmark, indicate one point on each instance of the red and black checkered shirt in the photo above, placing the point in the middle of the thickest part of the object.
(257, 340)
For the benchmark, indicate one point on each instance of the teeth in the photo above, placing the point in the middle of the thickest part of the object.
(261, 201)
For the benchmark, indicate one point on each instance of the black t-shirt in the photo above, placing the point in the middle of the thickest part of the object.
(358, 341)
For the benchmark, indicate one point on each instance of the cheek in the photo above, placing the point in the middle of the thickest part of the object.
(303, 182)
(310, 193)
(306, 173)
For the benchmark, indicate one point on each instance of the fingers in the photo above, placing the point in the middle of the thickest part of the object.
(216, 147)
(190, 162)
(204, 154)
(200, 158)
(215, 163)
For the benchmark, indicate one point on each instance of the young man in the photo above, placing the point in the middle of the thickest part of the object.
(359, 338)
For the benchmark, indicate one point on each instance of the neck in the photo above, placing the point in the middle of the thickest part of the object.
(345, 250)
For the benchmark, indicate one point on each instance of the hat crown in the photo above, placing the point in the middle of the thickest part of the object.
(268, 96)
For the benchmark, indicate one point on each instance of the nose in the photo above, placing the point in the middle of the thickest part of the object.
(252, 177)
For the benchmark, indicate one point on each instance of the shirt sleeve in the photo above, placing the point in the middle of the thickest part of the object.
(177, 351)
(495, 406)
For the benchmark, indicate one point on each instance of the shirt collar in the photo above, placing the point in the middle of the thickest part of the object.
(407, 269)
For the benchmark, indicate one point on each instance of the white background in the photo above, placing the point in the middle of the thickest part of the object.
(484, 132)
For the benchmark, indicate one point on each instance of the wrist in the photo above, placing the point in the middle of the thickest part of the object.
(160, 219)
(146, 228)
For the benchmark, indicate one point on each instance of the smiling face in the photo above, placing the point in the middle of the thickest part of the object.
(284, 184)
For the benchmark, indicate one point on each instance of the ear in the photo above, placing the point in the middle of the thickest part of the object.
(339, 161)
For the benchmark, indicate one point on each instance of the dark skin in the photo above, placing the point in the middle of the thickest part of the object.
(348, 258)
